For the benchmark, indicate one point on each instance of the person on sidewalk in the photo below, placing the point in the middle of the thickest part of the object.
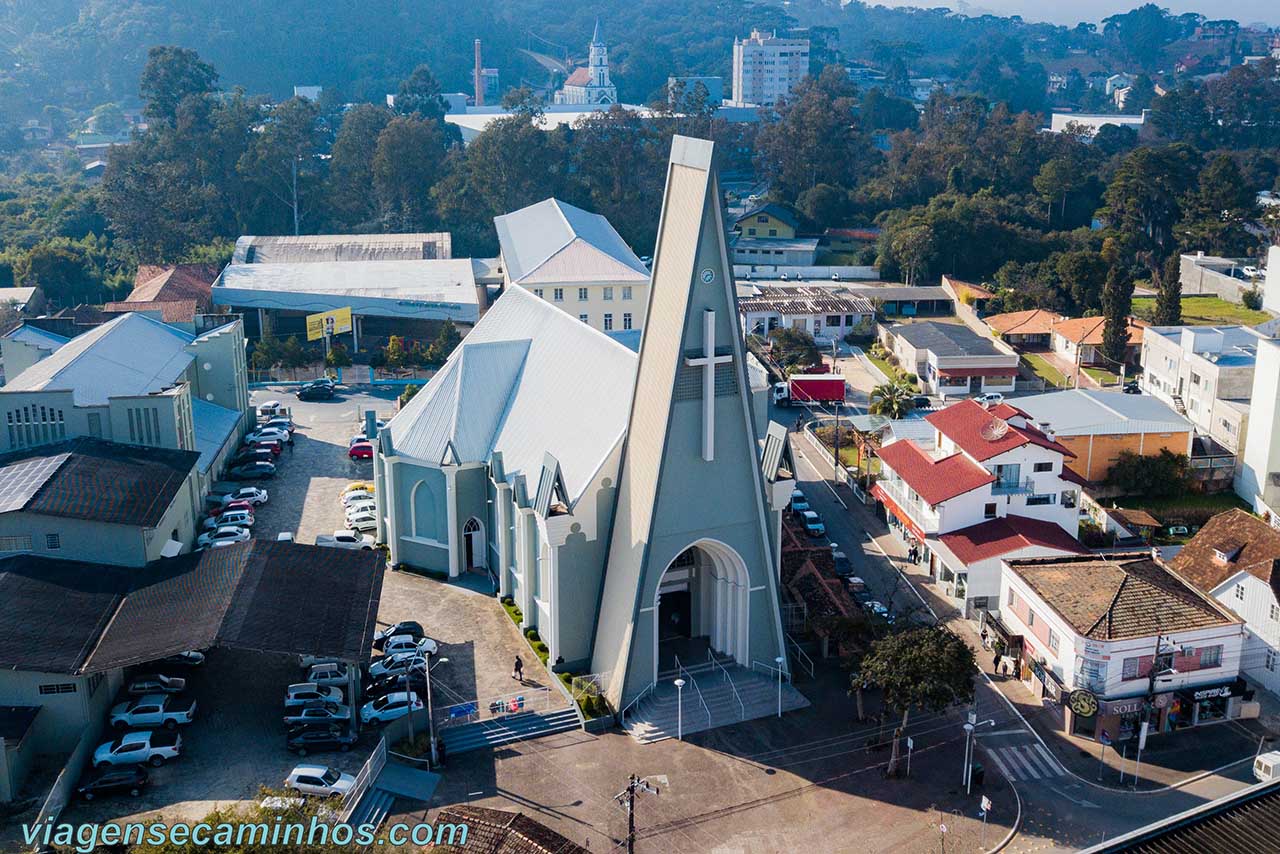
(517, 672)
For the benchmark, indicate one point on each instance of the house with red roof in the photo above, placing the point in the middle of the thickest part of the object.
(987, 485)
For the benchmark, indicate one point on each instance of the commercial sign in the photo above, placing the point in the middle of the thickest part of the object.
(1210, 693)
(1122, 707)
(328, 323)
(1083, 703)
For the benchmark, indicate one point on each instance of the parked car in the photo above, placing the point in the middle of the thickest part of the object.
(389, 707)
(315, 392)
(232, 505)
(356, 496)
(228, 534)
(878, 609)
(153, 710)
(230, 519)
(285, 424)
(357, 439)
(358, 486)
(921, 401)
(270, 409)
(408, 643)
(252, 471)
(1250, 271)
(363, 522)
(326, 381)
(319, 780)
(274, 446)
(328, 673)
(303, 693)
(255, 495)
(152, 747)
(314, 739)
(345, 540)
(799, 503)
(317, 712)
(252, 455)
(366, 505)
(267, 434)
(813, 524)
(155, 683)
(190, 658)
(414, 680)
(363, 451)
(113, 781)
(989, 397)
(844, 566)
(400, 662)
(1132, 387)
(404, 627)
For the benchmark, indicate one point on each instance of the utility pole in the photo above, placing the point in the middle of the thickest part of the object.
(1146, 707)
(627, 797)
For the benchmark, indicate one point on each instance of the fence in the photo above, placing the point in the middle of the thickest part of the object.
(589, 685)
(60, 793)
(532, 700)
(367, 777)
(795, 617)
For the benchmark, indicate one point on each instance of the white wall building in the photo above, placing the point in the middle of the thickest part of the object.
(828, 314)
(1258, 477)
(951, 359)
(590, 85)
(767, 69)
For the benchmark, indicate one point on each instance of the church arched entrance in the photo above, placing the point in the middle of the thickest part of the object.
(473, 543)
(702, 603)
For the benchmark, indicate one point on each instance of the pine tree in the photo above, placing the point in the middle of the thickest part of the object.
(1117, 303)
(1168, 311)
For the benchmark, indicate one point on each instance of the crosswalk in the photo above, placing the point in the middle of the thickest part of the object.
(1025, 762)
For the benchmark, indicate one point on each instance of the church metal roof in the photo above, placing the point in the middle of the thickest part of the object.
(554, 242)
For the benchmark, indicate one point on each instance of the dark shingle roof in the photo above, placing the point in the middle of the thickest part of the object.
(773, 209)
(946, 339)
(95, 480)
(500, 832)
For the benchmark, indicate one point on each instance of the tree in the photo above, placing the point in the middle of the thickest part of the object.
(881, 111)
(794, 348)
(1160, 476)
(292, 355)
(108, 118)
(338, 356)
(912, 248)
(171, 75)
(927, 668)
(351, 165)
(1117, 305)
(1057, 179)
(892, 400)
(62, 272)
(1142, 199)
(1168, 309)
(1216, 215)
(419, 94)
(283, 159)
(407, 163)
(395, 355)
(446, 341)
(824, 205)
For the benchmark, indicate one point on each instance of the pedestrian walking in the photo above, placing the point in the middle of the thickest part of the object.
(517, 672)
(986, 644)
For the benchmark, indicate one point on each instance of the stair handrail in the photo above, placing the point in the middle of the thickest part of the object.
(694, 682)
(804, 659)
(622, 715)
(772, 670)
(742, 709)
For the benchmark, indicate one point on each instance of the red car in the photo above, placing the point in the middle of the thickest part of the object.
(232, 505)
(273, 446)
(360, 451)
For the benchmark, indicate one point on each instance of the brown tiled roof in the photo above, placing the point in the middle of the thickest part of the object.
(1008, 534)
(579, 77)
(171, 311)
(1037, 321)
(500, 832)
(977, 290)
(969, 424)
(934, 480)
(1257, 543)
(1088, 330)
(1133, 518)
(1119, 596)
(174, 282)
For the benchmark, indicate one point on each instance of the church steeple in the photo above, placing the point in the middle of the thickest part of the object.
(598, 60)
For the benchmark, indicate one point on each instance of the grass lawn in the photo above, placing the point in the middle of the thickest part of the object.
(1102, 376)
(889, 370)
(1205, 311)
(1047, 372)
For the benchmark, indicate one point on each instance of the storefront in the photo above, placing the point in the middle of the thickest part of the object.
(1169, 711)
(1006, 647)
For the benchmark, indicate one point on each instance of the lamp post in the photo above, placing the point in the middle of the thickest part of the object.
(679, 683)
(780, 661)
(431, 718)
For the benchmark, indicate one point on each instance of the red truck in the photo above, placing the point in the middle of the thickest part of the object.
(810, 388)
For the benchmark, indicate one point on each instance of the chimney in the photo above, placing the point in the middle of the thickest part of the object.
(478, 78)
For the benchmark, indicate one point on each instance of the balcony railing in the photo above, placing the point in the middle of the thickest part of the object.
(1013, 487)
(925, 518)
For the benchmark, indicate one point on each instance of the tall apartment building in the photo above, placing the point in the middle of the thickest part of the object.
(767, 69)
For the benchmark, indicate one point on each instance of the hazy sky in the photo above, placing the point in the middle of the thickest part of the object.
(1244, 11)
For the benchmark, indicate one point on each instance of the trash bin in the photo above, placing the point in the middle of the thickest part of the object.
(976, 775)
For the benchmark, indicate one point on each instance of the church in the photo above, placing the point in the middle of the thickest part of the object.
(630, 504)
(590, 85)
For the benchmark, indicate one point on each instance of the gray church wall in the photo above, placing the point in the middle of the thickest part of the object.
(419, 493)
(471, 494)
(423, 556)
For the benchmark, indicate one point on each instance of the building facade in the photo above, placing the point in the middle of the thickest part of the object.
(951, 360)
(1258, 478)
(828, 314)
(590, 85)
(767, 69)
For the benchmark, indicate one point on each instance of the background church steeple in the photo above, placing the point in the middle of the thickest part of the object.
(598, 59)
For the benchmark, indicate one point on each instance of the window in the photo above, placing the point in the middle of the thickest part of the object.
(1271, 659)
(1038, 467)
(95, 681)
(773, 232)
(20, 543)
(989, 511)
(53, 541)
(1211, 656)
(1009, 598)
(95, 425)
(1068, 498)
(585, 318)
(58, 688)
(626, 292)
(1240, 592)
(608, 294)
(1053, 640)
(1129, 670)
(833, 320)
(1275, 612)
(626, 320)
(1040, 500)
(608, 322)
(1008, 475)
(1031, 618)
(582, 294)
(848, 320)
(537, 292)
(557, 295)
(1195, 378)
(751, 232)
(762, 218)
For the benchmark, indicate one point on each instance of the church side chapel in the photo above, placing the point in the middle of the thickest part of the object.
(626, 502)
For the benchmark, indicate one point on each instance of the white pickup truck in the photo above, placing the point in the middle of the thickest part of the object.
(153, 710)
(134, 748)
(345, 540)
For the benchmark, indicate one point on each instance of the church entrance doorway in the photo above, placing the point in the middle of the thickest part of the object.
(702, 605)
(473, 544)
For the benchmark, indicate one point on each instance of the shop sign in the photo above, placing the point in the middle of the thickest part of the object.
(1122, 707)
(1083, 703)
(1094, 648)
(1211, 693)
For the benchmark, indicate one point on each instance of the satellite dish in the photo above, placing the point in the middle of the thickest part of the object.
(995, 430)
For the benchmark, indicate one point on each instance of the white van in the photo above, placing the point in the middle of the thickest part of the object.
(1267, 766)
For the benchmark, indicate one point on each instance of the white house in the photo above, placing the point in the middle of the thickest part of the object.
(987, 484)
(951, 359)
(826, 313)
(1103, 635)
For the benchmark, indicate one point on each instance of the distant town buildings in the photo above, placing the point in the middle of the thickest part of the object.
(767, 69)
(590, 85)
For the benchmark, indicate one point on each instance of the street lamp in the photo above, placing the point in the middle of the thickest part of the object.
(969, 728)
(780, 661)
(679, 683)
(431, 718)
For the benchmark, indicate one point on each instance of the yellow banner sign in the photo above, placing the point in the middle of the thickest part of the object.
(328, 323)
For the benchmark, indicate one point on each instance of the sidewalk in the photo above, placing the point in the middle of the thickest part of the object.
(1169, 759)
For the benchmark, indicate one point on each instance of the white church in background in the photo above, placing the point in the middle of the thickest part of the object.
(590, 85)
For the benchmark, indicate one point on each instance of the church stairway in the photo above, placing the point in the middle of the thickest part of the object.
(655, 716)
(507, 729)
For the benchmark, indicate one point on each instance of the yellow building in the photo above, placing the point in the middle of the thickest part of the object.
(770, 220)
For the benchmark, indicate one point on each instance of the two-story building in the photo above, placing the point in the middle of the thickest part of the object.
(951, 359)
(1117, 640)
(986, 484)
(767, 220)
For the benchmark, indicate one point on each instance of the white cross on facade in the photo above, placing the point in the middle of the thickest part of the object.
(708, 362)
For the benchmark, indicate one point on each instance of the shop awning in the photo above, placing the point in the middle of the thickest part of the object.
(957, 373)
(898, 512)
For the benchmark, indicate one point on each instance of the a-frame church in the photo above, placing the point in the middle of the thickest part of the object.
(628, 503)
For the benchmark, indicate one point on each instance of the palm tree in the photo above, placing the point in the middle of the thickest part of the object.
(892, 400)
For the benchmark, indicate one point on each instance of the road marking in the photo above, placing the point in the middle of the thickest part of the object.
(1016, 758)
(999, 763)
(1087, 804)
(1054, 764)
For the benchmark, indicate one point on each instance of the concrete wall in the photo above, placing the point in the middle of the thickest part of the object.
(595, 306)
(416, 518)
(62, 715)
(1096, 454)
(1198, 278)
(1262, 445)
